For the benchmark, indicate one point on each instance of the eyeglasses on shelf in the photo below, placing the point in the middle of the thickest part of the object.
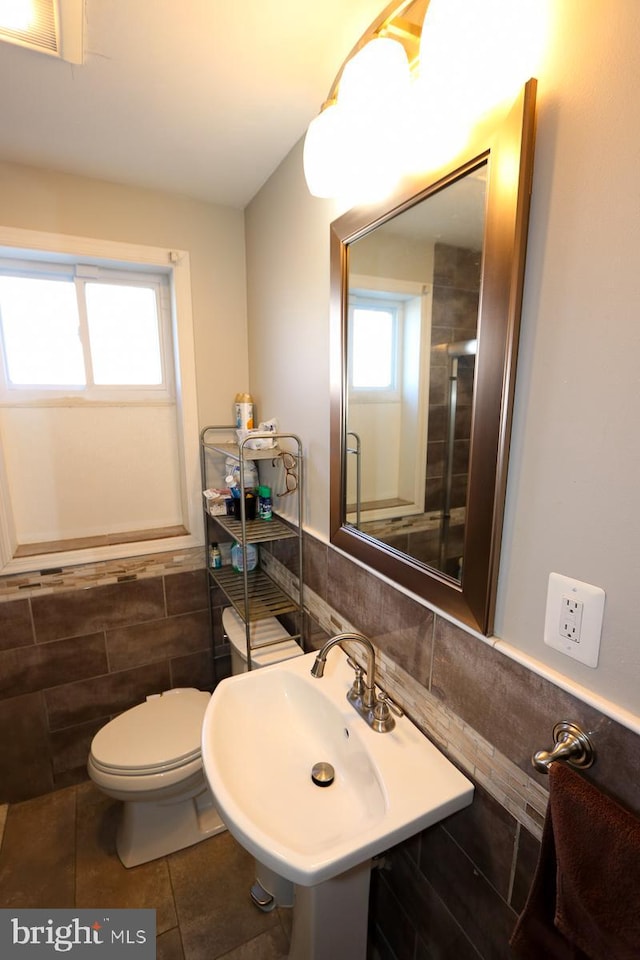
(290, 474)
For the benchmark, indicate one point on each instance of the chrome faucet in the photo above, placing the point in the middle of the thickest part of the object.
(368, 695)
(362, 694)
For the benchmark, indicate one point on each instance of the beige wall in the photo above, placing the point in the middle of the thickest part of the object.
(214, 236)
(572, 502)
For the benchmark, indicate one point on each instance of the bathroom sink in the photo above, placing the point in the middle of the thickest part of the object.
(263, 733)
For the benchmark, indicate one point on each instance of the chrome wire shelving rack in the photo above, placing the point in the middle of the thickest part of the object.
(253, 593)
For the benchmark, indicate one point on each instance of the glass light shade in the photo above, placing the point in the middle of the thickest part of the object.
(435, 130)
(475, 56)
(379, 73)
(373, 152)
(353, 149)
(322, 159)
(374, 93)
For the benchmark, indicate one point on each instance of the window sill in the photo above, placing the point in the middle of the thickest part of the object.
(101, 552)
(88, 543)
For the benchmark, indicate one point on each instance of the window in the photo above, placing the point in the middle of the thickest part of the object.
(63, 334)
(97, 401)
(375, 353)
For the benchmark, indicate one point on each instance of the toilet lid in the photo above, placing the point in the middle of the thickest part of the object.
(262, 631)
(164, 731)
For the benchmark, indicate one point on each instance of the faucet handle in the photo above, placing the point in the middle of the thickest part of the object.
(357, 688)
(385, 704)
(384, 698)
(382, 721)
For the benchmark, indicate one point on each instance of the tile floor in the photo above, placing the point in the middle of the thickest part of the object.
(58, 850)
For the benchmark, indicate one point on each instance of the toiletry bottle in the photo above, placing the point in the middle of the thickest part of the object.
(265, 503)
(251, 480)
(215, 557)
(244, 411)
(236, 557)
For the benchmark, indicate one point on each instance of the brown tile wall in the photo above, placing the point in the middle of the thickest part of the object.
(456, 889)
(71, 659)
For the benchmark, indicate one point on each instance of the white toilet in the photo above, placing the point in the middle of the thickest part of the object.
(149, 757)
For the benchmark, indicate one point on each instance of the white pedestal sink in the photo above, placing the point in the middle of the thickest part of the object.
(263, 733)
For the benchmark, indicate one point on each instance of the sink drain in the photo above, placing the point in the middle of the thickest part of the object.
(322, 774)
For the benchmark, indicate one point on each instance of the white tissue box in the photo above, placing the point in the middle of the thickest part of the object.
(255, 439)
(216, 502)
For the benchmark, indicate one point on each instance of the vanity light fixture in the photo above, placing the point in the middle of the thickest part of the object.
(410, 92)
(356, 142)
(354, 145)
(54, 27)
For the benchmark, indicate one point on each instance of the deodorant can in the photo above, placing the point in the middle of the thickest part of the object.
(265, 503)
(244, 411)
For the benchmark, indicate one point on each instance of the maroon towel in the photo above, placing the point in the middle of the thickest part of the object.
(585, 896)
(535, 936)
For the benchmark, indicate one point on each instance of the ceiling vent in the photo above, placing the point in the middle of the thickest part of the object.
(54, 27)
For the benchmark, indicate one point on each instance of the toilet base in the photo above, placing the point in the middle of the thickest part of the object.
(148, 830)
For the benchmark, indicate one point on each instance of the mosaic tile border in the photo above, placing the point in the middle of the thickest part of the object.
(99, 573)
(510, 786)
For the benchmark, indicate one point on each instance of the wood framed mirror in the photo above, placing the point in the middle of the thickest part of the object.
(426, 291)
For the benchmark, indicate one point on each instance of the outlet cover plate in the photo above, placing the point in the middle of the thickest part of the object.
(585, 647)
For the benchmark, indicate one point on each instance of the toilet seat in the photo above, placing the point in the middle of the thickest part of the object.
(149, 759)
(157, 736)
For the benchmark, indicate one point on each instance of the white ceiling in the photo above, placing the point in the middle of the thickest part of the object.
(199, 97)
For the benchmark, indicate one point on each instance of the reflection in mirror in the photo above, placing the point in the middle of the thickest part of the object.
(426, 290)
(412, 325)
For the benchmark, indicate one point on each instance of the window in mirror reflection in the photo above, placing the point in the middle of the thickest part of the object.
(374, 348)
(386, 470)
(408, 464)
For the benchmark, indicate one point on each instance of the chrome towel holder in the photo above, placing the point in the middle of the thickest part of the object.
(571, 745)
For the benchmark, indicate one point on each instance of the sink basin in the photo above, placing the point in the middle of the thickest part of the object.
(264, 731)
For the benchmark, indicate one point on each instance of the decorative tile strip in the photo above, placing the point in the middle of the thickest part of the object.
(96, 574)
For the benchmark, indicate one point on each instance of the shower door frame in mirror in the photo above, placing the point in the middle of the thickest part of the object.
(508, 156)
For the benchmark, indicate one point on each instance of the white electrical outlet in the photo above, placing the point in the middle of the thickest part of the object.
(573, 620)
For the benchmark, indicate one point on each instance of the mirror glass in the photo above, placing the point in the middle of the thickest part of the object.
(413, 290)
(426, 290)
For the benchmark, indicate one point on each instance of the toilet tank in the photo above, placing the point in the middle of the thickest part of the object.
(262, 632)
